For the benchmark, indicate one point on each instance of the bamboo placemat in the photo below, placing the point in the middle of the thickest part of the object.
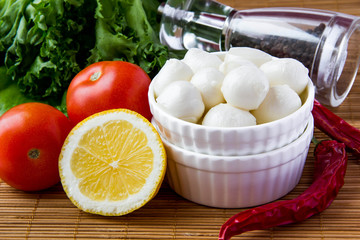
(50, 214)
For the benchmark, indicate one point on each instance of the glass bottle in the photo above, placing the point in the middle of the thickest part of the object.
(327, 43)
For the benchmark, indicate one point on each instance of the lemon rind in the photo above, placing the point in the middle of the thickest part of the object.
(133, 202)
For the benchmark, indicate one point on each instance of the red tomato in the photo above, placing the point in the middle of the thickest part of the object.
(31, 137)
(108, 85)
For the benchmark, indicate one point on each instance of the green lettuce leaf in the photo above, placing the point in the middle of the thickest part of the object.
(44, 40)
(44, 44)
(11, 96)
(128, 31)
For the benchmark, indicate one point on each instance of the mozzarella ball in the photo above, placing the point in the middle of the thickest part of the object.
(209, 81)
(198, 59)
(230, 64)
(245, 87)
(173, 70)
(253, 55)
(182, 100)
(225, 115)
(280, 102)
(286, 71)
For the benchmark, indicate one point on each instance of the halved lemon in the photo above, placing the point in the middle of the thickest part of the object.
(112, 163)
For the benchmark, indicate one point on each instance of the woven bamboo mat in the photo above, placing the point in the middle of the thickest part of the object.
(50, 214)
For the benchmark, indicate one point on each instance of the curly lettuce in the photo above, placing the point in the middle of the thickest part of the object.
(44, 44)
(124, 32)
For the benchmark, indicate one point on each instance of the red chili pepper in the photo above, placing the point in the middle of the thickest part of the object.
(330, 168)
(336, 127)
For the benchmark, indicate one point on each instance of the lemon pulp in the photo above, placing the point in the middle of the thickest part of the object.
(112, 163)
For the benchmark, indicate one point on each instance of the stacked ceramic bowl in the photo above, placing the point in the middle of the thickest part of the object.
(235, 167)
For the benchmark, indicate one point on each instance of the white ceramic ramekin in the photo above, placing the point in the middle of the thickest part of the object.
(237, 181)
(233, 141)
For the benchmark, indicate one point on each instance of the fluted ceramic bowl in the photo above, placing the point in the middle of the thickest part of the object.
(237, 181)
(233, 141)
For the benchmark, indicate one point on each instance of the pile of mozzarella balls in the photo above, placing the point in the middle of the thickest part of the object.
(240, 87)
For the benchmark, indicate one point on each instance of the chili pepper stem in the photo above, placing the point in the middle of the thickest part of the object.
(315, 141)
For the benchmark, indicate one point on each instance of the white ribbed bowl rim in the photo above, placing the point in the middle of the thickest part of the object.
(246, 140)
(243, 163)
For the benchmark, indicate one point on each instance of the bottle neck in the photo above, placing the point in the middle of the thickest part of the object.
(184, 29)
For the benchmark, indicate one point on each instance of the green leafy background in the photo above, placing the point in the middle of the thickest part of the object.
(44, 44)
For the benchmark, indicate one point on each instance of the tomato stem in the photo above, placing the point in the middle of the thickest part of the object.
(95, 76)
(34, 153)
